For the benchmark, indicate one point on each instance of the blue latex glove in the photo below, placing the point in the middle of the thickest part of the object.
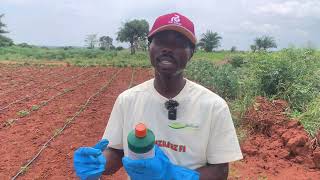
(157, 168)
(89, 162)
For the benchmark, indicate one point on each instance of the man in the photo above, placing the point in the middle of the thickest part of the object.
(195, 135)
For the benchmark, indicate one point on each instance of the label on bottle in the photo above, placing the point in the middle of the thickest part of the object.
(135, 156)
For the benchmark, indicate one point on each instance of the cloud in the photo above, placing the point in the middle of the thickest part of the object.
(296, 8)
(259, 28)
(14, 2)
(302, 32)
(67, 22)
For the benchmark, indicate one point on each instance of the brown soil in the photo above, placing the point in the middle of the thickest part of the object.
(23, 139)
(278, 147)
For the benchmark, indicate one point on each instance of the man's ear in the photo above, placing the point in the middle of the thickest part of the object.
(149, 43)
(191, 53)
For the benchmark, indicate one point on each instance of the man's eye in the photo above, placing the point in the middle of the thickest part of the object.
(181, 43)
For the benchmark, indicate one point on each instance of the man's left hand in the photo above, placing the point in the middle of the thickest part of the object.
(157, 168)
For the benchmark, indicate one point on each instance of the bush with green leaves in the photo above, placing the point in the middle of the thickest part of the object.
(311, 118)
(237, 60)
(5, 41)
(221, 79)
(290, 74)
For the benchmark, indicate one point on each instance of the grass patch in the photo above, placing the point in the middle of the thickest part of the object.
(311, 118)
(89, 57)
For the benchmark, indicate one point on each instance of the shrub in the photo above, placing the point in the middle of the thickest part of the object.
(221, 79)
(291, 74)
(311, 118)
(4, 41)
(237, 60)
(119, 48)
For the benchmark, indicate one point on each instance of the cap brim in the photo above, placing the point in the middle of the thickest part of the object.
(177, 28)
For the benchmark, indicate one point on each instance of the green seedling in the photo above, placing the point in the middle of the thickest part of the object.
(23, 113)
(35, 107)
(43, 103)
(24, 169)
(262, 177)
(9, 122)
(66, 90)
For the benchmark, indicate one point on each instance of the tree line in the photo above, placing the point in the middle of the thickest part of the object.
(4, 41)
(135, 33)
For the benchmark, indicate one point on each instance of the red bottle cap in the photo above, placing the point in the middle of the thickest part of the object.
(141, 130)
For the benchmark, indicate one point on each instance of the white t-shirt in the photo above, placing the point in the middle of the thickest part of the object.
(209, 136)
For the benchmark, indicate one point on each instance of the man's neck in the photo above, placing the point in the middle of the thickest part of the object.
(169, 86)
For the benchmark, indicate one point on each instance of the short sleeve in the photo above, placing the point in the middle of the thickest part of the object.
(114, 129)
(223, 145)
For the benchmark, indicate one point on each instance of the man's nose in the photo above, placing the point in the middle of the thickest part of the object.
(166, 50)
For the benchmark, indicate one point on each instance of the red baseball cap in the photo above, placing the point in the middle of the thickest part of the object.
(175, 22)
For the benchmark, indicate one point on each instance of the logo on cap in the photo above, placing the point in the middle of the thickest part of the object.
(175, 20)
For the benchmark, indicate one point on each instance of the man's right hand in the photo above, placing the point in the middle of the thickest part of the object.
(90, 162)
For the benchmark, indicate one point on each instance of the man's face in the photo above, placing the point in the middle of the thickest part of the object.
(169, 52)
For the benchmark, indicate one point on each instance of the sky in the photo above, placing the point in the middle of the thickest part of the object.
(238, 22)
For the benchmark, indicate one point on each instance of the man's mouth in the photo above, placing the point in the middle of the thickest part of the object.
(166, 61)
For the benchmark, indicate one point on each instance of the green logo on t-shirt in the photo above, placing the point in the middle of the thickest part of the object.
(181, 125)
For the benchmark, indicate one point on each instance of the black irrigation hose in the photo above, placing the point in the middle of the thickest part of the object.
(50, 87)
(67, 122)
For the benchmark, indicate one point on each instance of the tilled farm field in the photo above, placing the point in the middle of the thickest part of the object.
(46, 113)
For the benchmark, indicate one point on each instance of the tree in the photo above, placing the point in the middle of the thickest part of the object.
(264, 43)
(91, 41)
(310, 45)
(253, 48)
(4, 41)
(132, 32)
(142, 44)
(233, 49)
(119, 48)
(105, 42)
(209, 41)
(2, 25)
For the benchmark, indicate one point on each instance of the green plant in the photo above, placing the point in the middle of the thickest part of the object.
(209, 41)
(43, 103)
(9, 122)
(35, 107)
(311, 118)
(132, 32)
(264, 43)
(23, 113)
(66, 90)
(291, 74)
(24, 169)
(221, 79)
(237, 60)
